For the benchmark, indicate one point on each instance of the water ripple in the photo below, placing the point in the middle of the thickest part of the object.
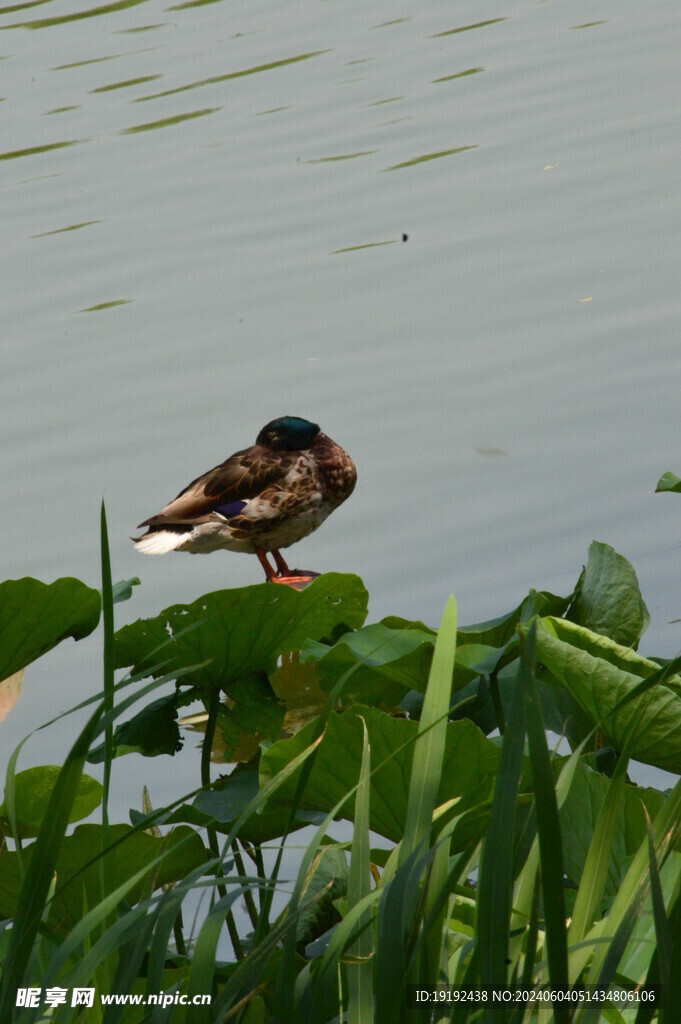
(215, 79)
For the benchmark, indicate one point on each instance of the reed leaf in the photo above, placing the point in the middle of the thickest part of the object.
(665, 831)
(662, 930)
(548, 829)
(672, 1011)
(38, 878)
(527, 878)
(360, 975)
(430, 743)
(495, 887)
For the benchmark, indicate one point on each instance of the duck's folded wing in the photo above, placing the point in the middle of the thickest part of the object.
(224, 490)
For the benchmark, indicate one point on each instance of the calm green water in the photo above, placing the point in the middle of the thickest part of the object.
(203, 208)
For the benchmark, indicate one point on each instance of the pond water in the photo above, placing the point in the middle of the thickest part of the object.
(448, 233)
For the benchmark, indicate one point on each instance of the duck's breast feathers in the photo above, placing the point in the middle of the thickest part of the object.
(335, 469)
(226, 488)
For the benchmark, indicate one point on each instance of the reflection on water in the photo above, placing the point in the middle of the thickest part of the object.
(126, 84)
(63, 19)
(295, 698)
(428, 156)
(70, 227)
(230, 75)
(16, 154)
(296, 684)
(239, 266)
(105, 305)
(467, 28)
(165, 122)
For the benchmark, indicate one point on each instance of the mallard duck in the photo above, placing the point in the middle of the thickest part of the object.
(259, 500)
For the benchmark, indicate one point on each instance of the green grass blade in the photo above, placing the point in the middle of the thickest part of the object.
(108, 621)
(426, 770)
(405, 893)
(594, 874)
(10, 798)
(95, 917)
(647, 1011)
(116, 934)
(665, 831)
(203, 961)
(168, 913)
(673, 1009)
(463, 1009)
(611, 1015)
(615, 949)
(430, 743)
(108, 667)
(38, 878)
(269, 789)
(398, 913)
(524, 899)
(595, 871)
(355, 926)
(531, 936)
(250, 970)
(360, 975)
(247, 970)
(130, 961)
(495, 885)
(287, 981)
(431, 942)
(357, 922)
(286, 977)
(548, 829)
(662, 930)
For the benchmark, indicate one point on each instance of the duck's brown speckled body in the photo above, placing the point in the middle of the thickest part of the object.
(259, 500)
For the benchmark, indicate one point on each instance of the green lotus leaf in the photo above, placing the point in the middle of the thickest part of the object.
(36, 616)
(669, 482)
(79, 872)
(329, 872)
(221, 805)
(152, 731)
(469, 768)
(32, 790)
(599, 674)
(387, 662)
(122, 591)
(580, 812)
(500, 631)
(232, 634)
(252, 716)
(608, 598)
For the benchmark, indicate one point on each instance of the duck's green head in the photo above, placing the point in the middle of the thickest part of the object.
(287, 434)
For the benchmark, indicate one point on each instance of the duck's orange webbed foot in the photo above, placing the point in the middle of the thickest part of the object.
(296, 578)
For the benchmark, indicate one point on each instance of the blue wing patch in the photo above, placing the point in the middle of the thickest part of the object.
(230, 509)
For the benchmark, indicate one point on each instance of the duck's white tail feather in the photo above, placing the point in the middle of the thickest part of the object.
(160, 542)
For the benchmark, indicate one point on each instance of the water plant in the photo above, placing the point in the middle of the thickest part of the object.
(481, 859)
